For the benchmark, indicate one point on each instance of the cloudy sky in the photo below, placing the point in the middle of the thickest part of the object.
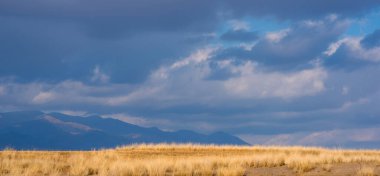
(290, 72)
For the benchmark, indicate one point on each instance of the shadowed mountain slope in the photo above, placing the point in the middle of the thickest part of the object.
(55, 131)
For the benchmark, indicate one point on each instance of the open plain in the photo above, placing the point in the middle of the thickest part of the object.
(191, 159)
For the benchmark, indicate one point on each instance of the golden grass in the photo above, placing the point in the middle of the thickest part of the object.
(366, 171)
(182, 159)
(327, 167)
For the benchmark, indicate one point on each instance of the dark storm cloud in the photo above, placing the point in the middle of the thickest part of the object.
(300, 9)
(37, 50)
(58, 40)
(343, 105)
(344, 59)
(112, 18)
(371, 40)
(354, 53)
(240, 36)
(170, 14)
(293, 48)
(44, 50)
(219, 73)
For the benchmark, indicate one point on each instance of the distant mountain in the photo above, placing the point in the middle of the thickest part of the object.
(55, 131)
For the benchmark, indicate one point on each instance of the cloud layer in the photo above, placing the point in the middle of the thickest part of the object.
(290, 72)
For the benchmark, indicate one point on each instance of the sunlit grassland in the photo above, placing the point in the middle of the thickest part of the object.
(181, 159)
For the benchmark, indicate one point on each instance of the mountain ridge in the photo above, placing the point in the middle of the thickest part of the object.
(57, 131)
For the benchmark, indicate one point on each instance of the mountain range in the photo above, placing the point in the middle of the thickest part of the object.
(57, 131)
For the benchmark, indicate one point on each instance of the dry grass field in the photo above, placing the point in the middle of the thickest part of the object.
(189, 159)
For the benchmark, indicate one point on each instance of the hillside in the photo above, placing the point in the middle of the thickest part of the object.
(55, 131)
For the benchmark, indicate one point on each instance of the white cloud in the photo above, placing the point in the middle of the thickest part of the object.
(247, 46)
(332, 138)
(144, 92)
(349, 104)
(62, 94)
(71, 112)
(313, 23)
(143, 122)
(128, 118)
(334, 46)
(332, 17)
(277, 36)
(239, 25)
(185, 81)
(341, 136)
(99, 76)
(195, 58)
(345, 90)
(43, 97)
(256, 84)
(2, 90)
(327, 19)
(355, 49)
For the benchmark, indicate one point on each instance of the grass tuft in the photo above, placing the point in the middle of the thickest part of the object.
(366, 171)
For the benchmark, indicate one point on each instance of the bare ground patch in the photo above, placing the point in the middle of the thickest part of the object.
(338, 169)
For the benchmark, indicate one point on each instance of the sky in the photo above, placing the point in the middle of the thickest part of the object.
(290, 72)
